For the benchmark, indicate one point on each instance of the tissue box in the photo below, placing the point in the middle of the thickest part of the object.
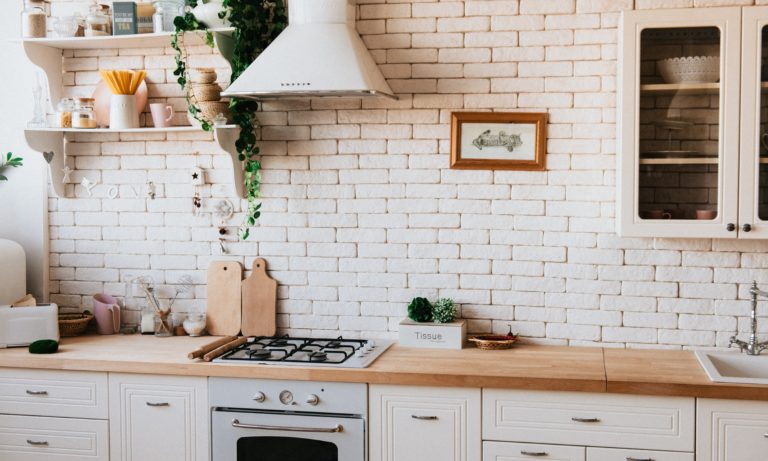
(433, 335)
(21, 326)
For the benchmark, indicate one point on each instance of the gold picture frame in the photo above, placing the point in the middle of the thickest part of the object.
(499, 141)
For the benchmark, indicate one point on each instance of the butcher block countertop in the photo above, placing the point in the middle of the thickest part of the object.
(649, 372)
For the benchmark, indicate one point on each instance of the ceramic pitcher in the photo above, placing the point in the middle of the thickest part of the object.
(107, 313)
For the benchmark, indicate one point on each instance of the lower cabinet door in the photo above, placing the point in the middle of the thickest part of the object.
(424, 423)
(619, 454)
(508, 451)
(163, 418)
(36, 438)
(731, 430)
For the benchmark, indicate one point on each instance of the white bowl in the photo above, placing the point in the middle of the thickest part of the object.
(690, 69)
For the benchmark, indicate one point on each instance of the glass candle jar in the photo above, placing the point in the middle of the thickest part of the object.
(84, 116)
(97, 22)
(163, 324)
(33, 20)
(64, 112)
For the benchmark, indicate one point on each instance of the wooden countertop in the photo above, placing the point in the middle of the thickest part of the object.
(650, 372)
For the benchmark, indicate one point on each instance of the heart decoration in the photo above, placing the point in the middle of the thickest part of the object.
(48, 156)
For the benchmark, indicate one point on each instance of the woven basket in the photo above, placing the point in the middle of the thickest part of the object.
(202, 75)
(493, 342)
(205, 92)
(209, 111)
(74, 324)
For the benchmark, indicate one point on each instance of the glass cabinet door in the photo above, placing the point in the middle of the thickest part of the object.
(753, 184)
(679, 111)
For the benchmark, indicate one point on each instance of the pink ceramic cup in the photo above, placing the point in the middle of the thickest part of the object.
(706, 214)
(162, 115)
(107, 313)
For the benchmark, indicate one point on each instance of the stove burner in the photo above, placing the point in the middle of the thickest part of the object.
(318, 356)
(333, 345)
(278, 343)
(259, 354)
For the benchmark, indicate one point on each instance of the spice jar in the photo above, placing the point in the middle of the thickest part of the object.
(33, 20)
(84, 116)
(97, 22)
(64, 112)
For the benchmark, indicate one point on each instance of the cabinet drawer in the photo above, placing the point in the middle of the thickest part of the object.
(577, 418)
(507, 451)
(36, 438)
(614, 454)
(73, 394)
(731, 430)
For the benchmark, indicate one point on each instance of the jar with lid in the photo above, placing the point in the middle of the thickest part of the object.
(64, 112)
(84, 116)
(97, 22)
(33, 19)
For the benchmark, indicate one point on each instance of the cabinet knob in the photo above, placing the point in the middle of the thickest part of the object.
(424, 418)
(259, 397)
(746, 227)
(639, 459)
(37, 443)
(533, 453)
(730, 227)
(36, 392)
(585, 420)
(158, 404)
(312, 399)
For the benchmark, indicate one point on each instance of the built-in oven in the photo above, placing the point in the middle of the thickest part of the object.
(275, 420)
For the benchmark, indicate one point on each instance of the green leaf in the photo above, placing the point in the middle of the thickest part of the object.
(3, 178)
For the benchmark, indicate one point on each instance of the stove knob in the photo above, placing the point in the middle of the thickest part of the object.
(259, 397)
(371, 344)
(312, 399)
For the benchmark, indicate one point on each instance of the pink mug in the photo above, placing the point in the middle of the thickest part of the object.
(107, 313)
(161, 115)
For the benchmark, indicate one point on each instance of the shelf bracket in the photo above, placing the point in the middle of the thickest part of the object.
(52, 146)
(226, 137)
(48, 60)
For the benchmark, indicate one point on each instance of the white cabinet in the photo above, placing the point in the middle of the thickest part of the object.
(37, 438)
(424, 423)
(729, 430)
(158, 418)
(506, 451)
(620, 454)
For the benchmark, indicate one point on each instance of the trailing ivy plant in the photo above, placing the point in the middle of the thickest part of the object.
(256, 24)
(9, 162)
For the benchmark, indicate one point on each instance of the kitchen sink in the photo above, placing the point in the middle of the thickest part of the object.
(734, 367)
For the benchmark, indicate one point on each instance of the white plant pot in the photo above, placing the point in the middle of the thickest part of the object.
(208, 14)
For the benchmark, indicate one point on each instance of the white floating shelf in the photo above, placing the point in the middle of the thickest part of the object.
(681, 88)
(172, 129)
(161, 39)
(680, 161)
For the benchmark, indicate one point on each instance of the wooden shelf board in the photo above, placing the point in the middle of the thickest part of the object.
(172, 129)
(680, 161)
(676, 88)
(153, 40)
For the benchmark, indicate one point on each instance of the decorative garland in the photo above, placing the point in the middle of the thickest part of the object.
(256, 25)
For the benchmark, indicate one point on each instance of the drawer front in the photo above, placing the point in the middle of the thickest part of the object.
(37, 438)
(577, 418)
(72, 394)
(507, 451)
(615, 454)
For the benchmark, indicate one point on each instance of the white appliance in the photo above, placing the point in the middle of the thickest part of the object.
(21, 326)
(319, 54)
(13, 272)
(276, 420)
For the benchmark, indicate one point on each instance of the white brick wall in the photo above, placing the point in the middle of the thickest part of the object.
(362, 213)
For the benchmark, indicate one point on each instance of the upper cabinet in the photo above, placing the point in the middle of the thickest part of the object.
(692, 147)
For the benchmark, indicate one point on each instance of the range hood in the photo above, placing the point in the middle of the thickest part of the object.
(319, 54)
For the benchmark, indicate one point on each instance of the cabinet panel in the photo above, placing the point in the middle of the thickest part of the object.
(53, 393)
(35, 438)
(729, 430)
(576, 418)
(613, 454)
(158, 417)
(507, 451)
(424, 423)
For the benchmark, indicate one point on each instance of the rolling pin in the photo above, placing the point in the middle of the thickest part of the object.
(202, 350)
(225, 348)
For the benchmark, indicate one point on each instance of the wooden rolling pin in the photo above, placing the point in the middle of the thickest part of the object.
(202, 350)
(225, 348)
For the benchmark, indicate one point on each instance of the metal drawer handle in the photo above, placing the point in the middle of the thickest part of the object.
(158, 404)
(585, 420)
(337, 428)
(424, 418)
(629, 458)
(533, 453)
(36, 392)
(765, 435)
(38, 443)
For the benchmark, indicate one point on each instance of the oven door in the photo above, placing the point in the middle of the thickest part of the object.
(256, 436)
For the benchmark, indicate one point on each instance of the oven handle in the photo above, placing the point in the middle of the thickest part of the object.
(337, 428)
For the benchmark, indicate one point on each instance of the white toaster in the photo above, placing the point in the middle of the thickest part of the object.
(21, 326)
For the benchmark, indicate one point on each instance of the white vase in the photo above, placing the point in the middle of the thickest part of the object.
(122, 112)
(208, 14)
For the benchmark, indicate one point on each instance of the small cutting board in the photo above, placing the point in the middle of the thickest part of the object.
(259, 302)
(224, 298)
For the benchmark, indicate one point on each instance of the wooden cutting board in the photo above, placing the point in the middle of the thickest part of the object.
(259, 302)
(224, 298)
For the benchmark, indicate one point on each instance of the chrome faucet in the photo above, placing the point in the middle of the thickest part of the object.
(753, 346)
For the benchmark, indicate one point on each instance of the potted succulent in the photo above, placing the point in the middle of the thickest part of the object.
(433, 325)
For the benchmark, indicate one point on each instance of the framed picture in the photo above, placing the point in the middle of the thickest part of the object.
(498, 140)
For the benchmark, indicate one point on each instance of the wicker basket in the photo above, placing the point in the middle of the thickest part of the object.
(209, 111)
(74, 324)
(493, 342)
(202, 75)
(205, 92)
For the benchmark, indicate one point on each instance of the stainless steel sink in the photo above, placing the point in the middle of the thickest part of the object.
(734, 367)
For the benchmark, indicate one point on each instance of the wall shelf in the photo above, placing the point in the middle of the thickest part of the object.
(681, 88)
(680, 161)
(51, 142)
(154, 40)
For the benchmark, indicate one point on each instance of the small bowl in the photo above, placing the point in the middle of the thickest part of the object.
(493, 342)
(65, 26)
(194, 324)
(690, 69)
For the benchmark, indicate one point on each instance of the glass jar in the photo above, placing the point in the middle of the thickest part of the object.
(97, 22)
(33, 20)
(64, 112)
(194, 324)
(163, 324)
(84, 116)
(169, 9)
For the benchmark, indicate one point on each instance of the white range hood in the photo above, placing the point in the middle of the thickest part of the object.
(319, 54)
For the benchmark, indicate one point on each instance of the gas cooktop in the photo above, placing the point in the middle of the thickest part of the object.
(284, 350)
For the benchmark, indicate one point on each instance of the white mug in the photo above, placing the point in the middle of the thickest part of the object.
(162, 115)
(122, 112)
